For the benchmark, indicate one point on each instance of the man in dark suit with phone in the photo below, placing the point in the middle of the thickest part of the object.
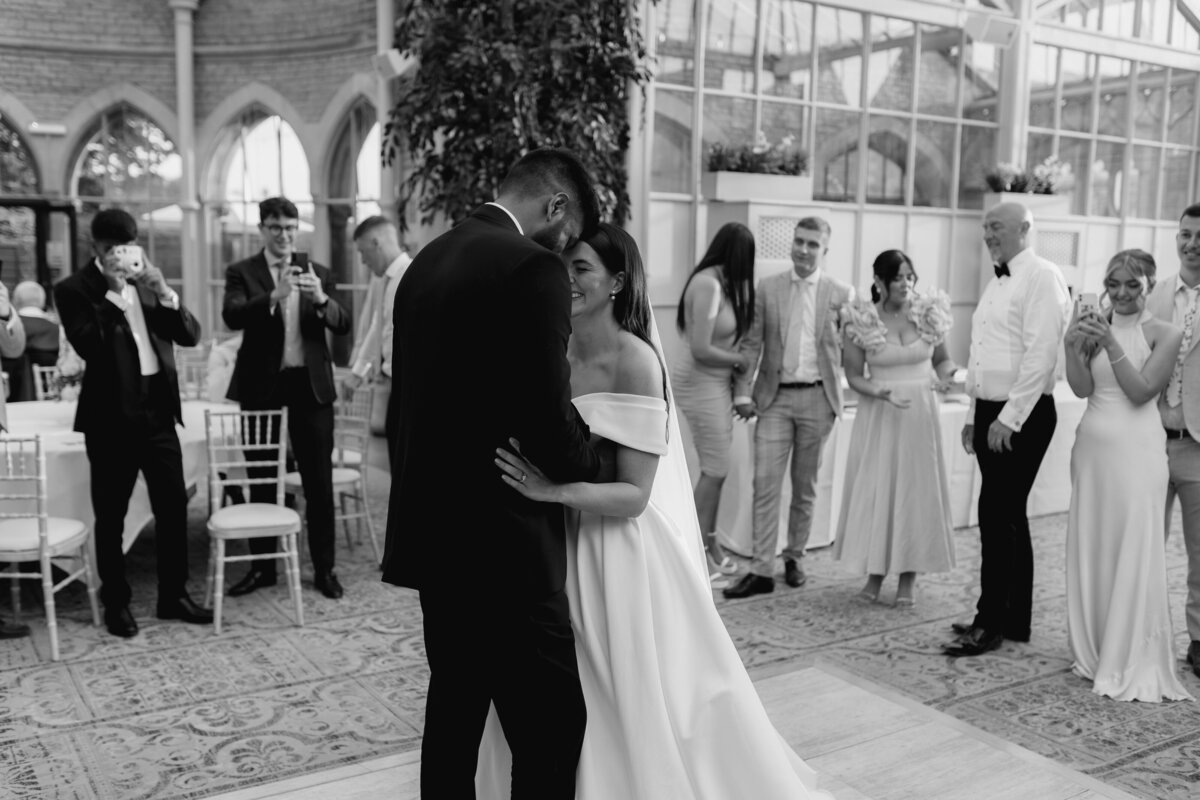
(123, 319)
(280, 301)
(479, 355)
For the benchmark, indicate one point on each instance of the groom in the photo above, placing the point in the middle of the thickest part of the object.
(479, 354)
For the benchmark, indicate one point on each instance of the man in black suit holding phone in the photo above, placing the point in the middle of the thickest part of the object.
(280, 301)
(124, 320)
(483, 315)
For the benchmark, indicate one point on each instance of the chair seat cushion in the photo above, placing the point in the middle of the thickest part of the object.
(21, 535)
(341, 476)
(245, 520)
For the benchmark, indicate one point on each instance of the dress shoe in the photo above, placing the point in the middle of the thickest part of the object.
(12, 630)
(749, 585)
(255, 579)
(1193, 657)
(976, 643)
(328, 585)
(120, 622)
(793, 574)
(962, 628)
(184, 609)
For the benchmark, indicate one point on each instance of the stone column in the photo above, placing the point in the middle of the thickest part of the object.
(1013, 108)
(385, 21)
(191, 242)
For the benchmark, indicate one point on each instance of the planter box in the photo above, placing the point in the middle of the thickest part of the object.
(1054, 205)
(741, 187)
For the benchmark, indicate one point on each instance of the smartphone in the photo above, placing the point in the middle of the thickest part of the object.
(300, 260)
(1088, 301)
(130, 257)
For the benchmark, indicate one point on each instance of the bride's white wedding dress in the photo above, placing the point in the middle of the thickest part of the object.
(1119, 620)
(671, 712)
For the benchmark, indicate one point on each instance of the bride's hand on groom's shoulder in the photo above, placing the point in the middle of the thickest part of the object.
(523, 476)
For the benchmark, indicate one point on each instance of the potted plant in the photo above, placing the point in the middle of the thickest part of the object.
(762, 172)
(1044, 188)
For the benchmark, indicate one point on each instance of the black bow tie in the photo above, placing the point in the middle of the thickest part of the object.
(1001, 269)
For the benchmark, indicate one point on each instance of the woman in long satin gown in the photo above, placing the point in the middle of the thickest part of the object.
(672, 713)
(1119, 620)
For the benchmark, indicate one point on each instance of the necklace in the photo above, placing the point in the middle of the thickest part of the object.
(893, 314)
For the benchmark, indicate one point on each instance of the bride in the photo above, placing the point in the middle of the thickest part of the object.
(1118, 618)
(672, 713)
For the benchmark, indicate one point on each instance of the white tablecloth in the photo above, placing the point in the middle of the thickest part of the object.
(68, 479)
(1051, 491)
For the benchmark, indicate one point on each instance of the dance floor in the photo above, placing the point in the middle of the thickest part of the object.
(267, 708)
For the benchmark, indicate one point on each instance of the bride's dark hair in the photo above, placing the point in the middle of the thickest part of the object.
(631, 306)
(619, 254)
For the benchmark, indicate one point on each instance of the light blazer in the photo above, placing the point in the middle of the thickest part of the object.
(1161, 303)
(764, 341)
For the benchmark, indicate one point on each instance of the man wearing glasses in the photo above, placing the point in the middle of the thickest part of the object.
(280, 301)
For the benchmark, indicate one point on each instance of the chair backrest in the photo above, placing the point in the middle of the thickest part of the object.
(23, 481)
(245, 448)
(352, 426)
(45, 382)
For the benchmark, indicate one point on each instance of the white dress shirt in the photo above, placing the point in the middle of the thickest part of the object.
(800, 338)
(128, 301)
(376, 349)
(1015, 333)
(293, 341)
(520, 230)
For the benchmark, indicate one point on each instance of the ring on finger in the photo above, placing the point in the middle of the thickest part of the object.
(523, 477)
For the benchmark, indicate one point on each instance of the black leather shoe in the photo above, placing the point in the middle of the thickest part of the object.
(327, 584)
(962, 628)
(978, 642)
(255, 579)
(12, 630)
(750, 584)
(120, 622)
(184, 609)
(793, 575)
(1193, 657)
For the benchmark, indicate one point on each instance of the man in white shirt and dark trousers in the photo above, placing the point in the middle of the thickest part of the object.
(378, 244)
(124, 321)
(1015, 335)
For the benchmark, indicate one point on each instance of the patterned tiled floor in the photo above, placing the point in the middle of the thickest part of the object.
(180, 713)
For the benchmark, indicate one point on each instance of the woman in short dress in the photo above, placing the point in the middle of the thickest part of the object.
(715, 311)
(895, 515)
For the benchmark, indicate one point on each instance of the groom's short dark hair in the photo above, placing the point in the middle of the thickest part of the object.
(553, 169)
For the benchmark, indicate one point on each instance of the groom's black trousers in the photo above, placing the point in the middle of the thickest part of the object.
(519, 656)
(1006, 572)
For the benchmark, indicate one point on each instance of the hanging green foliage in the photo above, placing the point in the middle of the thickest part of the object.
(500, 78)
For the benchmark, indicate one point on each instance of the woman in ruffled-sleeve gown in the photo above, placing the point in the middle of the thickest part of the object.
(671, 712)
(895, 513)
(1118, 616)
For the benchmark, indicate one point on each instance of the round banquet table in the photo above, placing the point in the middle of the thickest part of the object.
(68, 482)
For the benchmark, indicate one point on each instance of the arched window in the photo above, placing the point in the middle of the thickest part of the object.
(128, 161)
(355, 168)
(18, 223)
(258, 156)
(18, 173)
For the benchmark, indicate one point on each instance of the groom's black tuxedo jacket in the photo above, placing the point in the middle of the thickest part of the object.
(482, 318)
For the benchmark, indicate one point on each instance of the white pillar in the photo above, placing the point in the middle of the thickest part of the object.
(190, 242)
(1013, 110)
(385, 21)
